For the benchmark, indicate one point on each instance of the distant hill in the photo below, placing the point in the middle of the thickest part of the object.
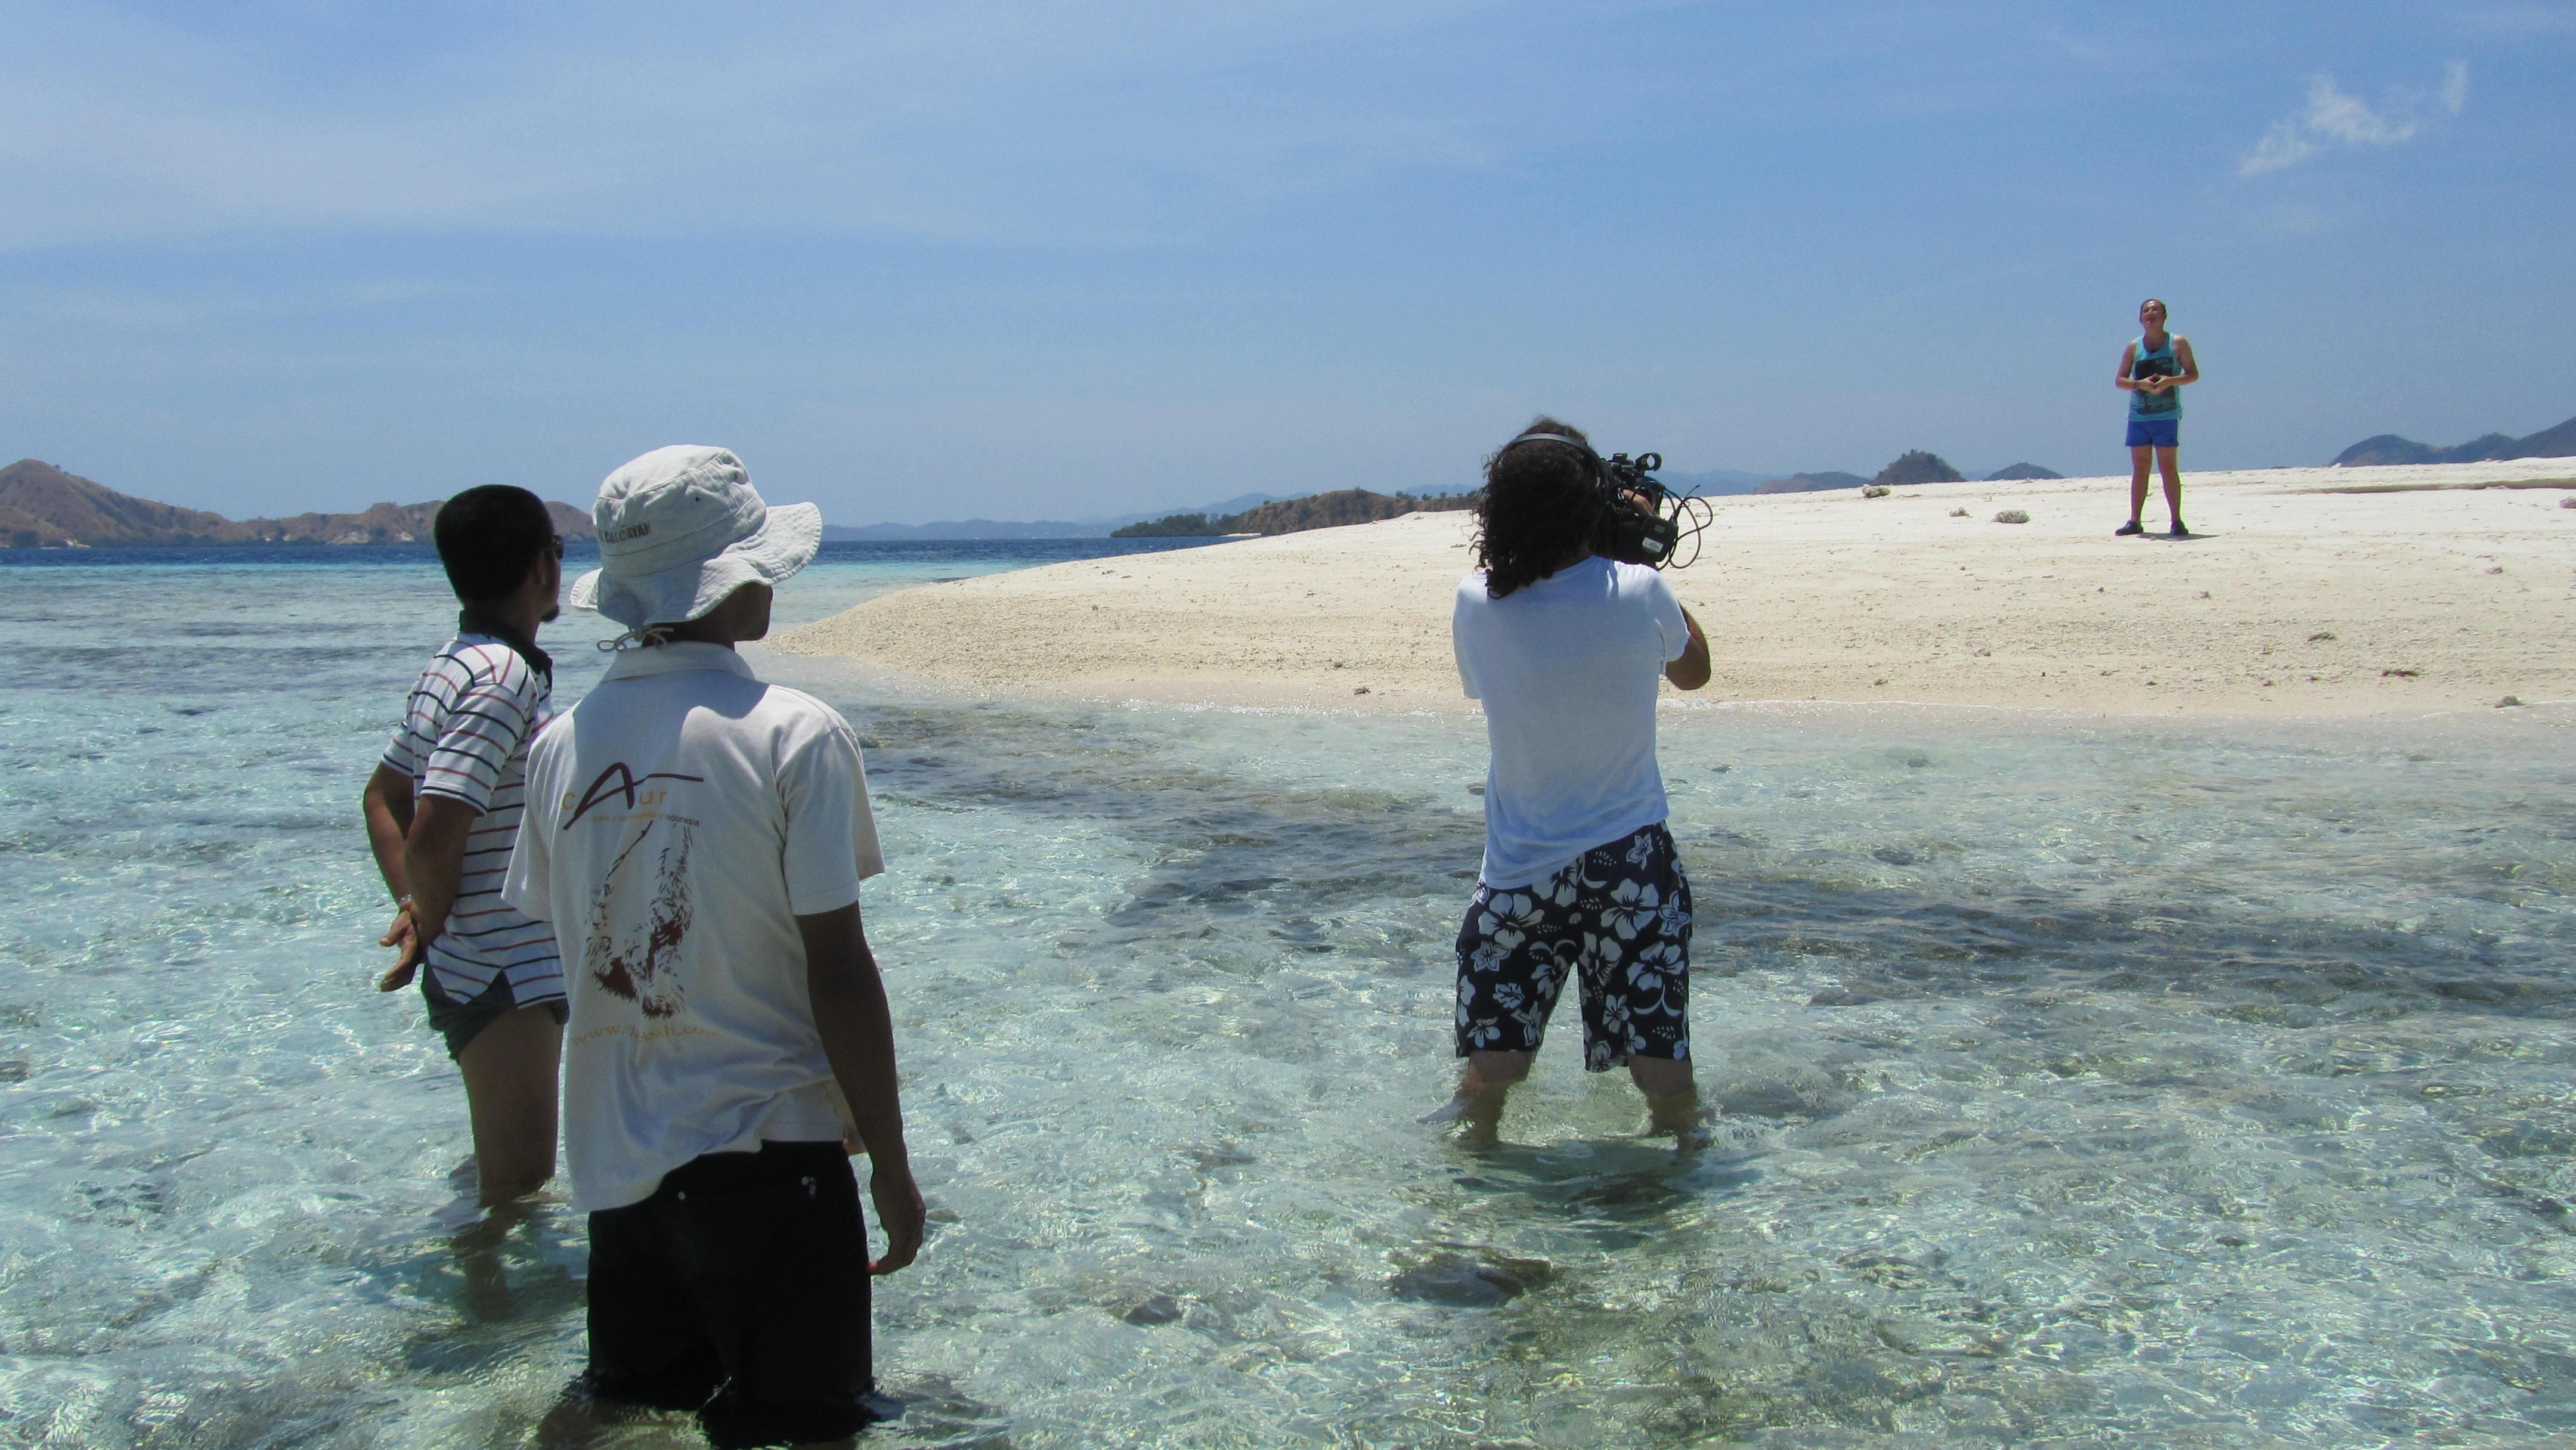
(1090, 528)
(1714, 481)
(2388, 448)
(1296, 515)
(2021, 471)
(61, 508)
(2558, 442)
(1917, 466)
(41, 506)
(1811, 482)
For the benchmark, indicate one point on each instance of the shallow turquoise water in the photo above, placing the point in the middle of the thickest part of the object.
(2083, 1081)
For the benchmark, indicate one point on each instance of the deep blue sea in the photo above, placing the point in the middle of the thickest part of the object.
(2084, 1081)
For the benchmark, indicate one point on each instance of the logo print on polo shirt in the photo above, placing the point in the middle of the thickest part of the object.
(643, 967)
(601, 790)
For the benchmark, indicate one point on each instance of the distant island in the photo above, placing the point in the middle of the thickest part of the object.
(1712, 481)
(2387, 448)
(1252, 514)
(1295, 515)
(1914, 466)
(1918, 466)
(1096, 527)
(42, 507)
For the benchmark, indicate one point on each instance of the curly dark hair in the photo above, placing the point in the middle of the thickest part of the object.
(1537, 509)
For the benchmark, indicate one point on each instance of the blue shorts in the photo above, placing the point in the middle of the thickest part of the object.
(2155, 432)
(462, 1019)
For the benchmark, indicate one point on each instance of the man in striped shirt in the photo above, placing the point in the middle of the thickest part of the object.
(442, 814)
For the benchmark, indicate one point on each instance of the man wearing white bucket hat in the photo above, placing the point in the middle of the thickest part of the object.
(698, 838)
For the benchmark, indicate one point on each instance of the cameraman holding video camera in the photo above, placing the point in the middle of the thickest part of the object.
(1563, 641)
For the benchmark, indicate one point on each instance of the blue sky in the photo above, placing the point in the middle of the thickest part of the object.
(921, 261)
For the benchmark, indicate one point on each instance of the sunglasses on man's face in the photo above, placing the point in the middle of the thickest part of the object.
(555, 546)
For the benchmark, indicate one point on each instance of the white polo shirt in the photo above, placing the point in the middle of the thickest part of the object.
(678, 820)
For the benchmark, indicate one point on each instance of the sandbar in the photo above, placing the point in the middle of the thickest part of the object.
(2302, 592)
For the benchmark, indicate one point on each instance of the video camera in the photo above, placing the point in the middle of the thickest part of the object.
(1632, 526)
(1638, 521)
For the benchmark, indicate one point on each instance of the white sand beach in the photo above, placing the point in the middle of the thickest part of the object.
(2305, 591)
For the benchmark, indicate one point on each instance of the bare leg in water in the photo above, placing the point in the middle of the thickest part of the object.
(510, 1070)
(1672, 1097)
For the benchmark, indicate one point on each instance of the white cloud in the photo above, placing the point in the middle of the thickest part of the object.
(2334, 119)
(2339, 117)
(2284, 145)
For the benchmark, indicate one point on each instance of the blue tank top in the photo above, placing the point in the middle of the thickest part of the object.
(2155, 363)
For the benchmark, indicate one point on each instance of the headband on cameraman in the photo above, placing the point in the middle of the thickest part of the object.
(1587, 448)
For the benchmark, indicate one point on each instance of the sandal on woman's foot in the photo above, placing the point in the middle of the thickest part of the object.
(2131, 527)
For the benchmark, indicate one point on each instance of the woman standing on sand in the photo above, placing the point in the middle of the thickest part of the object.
(2152, 367)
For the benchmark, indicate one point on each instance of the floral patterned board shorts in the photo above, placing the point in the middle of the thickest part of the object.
(1621, 913)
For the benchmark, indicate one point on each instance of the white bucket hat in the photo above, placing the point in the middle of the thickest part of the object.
(681, 528)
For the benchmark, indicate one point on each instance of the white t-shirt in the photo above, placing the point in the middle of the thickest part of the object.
(464, 735)
(1567, 668)
(679, 819)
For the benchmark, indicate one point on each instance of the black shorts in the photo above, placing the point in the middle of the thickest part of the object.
(1622, 914)
(461, 1020)
(739, 1290)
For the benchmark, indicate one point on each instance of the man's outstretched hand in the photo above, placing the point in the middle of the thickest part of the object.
(404, 933)
(901, 1213)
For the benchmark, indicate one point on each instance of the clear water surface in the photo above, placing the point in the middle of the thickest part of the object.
(2084, 1082)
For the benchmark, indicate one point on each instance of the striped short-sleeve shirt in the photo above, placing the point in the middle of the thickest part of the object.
(465, 736)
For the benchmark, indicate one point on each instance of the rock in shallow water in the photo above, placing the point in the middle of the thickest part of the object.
(1469, 1280)
(1153, 1309)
